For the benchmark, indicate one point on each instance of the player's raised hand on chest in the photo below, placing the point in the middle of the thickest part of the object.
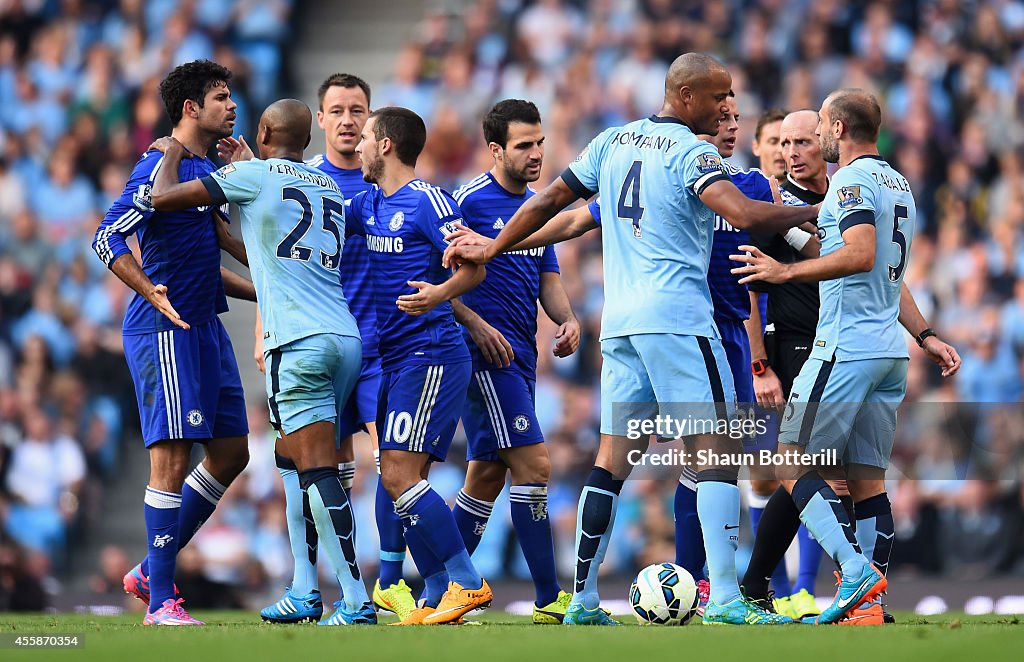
(426, 298)
(230, 150)
(167, 144)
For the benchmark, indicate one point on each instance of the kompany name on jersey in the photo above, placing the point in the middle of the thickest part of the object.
(643, 141)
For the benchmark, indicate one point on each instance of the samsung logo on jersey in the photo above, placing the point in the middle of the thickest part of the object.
(379, 244)
(643, 141)
(531, 252)
(723, 225)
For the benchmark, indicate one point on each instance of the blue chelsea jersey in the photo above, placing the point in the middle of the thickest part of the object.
(179, 248)
(730, 299)
(355, 260)
(507, 298)
(404, 234)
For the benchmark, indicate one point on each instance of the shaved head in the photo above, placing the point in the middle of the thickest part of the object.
(692, 70)
(859, 112)
(801, 120)
(289, 122)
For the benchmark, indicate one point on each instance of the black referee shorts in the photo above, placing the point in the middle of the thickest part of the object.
(787, 353)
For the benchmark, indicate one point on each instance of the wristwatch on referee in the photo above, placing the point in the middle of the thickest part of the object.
(759, 367)
(921, 337)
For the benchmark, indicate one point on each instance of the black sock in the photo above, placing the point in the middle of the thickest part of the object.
(779, 524)
(851, 510)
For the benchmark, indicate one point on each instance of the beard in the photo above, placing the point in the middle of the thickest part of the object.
(521, 175)
(829, 149)
(374, 170)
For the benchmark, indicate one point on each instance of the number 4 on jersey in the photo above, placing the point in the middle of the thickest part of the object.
(629, 198)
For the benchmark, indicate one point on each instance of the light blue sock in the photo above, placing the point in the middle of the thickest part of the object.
(301, 532)
(718, 504)
(335, 523)
(823, 514)
(594, 521)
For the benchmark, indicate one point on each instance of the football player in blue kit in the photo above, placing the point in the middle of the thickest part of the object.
(178, 353)
(500, 321)
(425, 361)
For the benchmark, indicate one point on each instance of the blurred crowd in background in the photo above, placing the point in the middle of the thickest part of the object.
(78, 105)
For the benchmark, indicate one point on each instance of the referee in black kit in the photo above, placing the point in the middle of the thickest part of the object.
(776, 361)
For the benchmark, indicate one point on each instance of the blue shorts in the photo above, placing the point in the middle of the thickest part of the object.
(500, 412)
(187, 384)
(418, 407)
(361, 407)
(737, 351)
(669, 374)
(310, 379)
(849, 406)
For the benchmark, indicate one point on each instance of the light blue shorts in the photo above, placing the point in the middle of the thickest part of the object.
(848, 406)
(669, 374)
(309, 380)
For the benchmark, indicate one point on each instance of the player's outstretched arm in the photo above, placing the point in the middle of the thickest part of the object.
(564, 226)
(555, 302)
(723, 198)
(495, 349)
(857, 256)
(944, 355)
(429, 296)
(128, 269)
(168, 193)
(534, 213)
(237, 287)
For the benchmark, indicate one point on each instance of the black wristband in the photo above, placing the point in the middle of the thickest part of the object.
(920, 338)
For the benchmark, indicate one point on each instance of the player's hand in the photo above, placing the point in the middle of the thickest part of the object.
(567, 339)
(455, 256)
(768, 390)
(776, 193)
(168, 144)
(257, 355)
(495, 349)
(230, 150)
(426, 299)
(759, 267)
(158, 298)
(465, 236)
(942, 354)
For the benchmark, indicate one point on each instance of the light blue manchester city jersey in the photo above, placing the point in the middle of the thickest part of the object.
(293, 226)
(858, 313)
(656, 233)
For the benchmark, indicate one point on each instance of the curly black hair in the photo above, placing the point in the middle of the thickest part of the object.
(504, 113)
(191, 80)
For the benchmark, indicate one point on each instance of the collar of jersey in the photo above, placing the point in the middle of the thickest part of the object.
(876, 157)
(494, 180)
(661, 119)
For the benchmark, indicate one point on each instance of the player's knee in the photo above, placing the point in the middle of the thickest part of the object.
(227, 458)
(485, 480)
(535, 469)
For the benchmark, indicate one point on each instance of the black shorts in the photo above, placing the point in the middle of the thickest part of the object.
(787, 353)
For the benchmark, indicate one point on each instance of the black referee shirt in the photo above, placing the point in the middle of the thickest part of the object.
(792, 307)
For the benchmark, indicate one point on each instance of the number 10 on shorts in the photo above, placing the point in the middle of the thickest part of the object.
(398, 427)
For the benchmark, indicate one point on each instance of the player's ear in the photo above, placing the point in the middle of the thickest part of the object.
(309, 137)
(495, 149)
(320, 118)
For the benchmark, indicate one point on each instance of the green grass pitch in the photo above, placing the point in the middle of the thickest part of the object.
(240, 636)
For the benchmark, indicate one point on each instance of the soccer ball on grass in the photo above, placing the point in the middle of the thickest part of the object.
(663, 594)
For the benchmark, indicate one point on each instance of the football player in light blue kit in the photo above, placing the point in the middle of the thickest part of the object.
(846, 395)
(660, 188)
(500, 321)
(293, 219)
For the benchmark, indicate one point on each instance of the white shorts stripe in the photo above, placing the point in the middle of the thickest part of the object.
(421, 434)
(428, 383)
(165, 382)
(491, 395)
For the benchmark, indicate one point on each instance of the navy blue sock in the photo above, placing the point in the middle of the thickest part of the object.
(427, 510)
(690, 553)
(875, 529)
(199, 498)
(594, 521)
(823, 514)
(392, 541)
(810, 560)
(162, 515)
(529, 505)
(471, 515)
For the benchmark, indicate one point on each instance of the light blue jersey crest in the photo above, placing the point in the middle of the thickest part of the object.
(655, 230)
(293, 226)
(859, 313)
